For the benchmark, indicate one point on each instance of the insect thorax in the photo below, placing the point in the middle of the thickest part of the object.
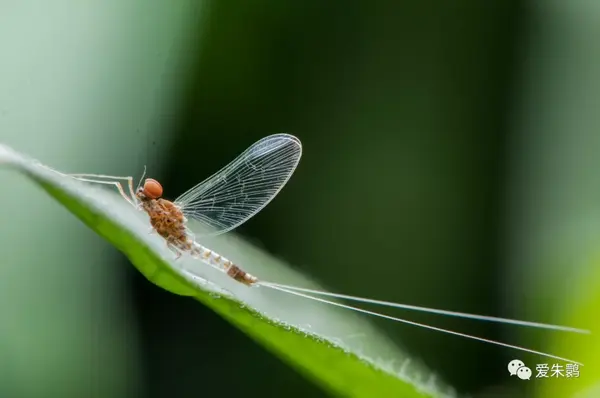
(167, 220)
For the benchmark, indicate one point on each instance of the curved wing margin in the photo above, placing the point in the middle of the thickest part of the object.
(241, 189)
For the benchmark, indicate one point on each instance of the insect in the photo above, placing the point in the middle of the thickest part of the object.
(222, 202)
(236, 193)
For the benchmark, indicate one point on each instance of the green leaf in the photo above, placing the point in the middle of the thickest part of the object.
(583, 307)
(305, 334)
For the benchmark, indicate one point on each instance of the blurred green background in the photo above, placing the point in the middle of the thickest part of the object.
(450, 160)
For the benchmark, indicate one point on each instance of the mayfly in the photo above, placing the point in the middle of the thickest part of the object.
(233, 195)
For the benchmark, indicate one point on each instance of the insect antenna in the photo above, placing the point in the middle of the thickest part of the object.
(141, 179)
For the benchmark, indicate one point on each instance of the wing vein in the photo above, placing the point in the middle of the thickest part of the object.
(242, 188)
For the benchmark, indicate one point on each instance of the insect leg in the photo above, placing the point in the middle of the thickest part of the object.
(132, 201)
(129, 179)
(175, 250)
(82, 177)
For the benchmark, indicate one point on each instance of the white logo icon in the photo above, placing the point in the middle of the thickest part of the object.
(524, 373)
(514, 365)
(517, 367)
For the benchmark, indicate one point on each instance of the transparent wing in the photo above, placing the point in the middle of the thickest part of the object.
(242, 188)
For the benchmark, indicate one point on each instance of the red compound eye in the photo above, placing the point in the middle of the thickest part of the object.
(152, 189)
